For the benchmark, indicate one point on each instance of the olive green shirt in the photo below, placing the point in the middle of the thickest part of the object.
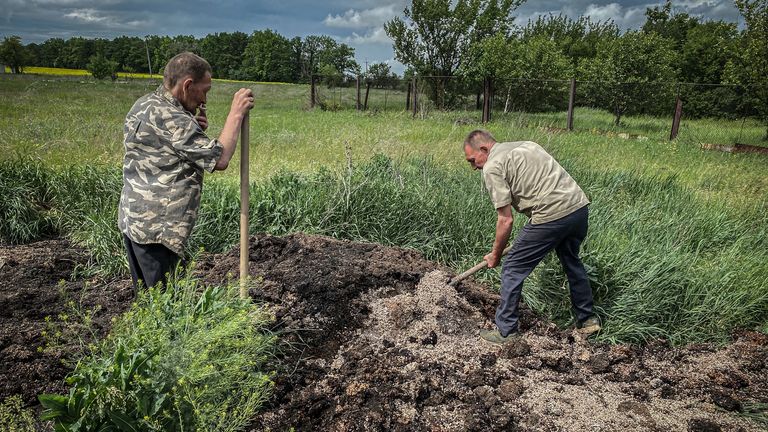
(166, 154)
(525, 176)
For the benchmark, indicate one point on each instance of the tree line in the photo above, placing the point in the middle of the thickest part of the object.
(264, 55)
(460, 44)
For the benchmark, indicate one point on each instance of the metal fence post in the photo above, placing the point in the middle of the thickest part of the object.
(571, 100)
(677, 116)
(415, 96)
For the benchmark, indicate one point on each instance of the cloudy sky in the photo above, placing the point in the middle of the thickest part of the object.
(358, 23)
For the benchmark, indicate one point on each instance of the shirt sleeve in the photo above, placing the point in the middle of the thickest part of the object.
(192, 144)
(497, 186)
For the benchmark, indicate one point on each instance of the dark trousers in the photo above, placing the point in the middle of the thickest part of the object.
(531, 245)
(149, 263)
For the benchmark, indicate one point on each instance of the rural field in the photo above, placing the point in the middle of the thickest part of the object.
(357, 220)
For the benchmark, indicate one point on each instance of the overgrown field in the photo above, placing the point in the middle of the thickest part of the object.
(677, 246)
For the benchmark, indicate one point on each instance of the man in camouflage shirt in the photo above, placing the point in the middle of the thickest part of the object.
(166, 153)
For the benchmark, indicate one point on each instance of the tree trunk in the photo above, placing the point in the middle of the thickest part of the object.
(508, 100)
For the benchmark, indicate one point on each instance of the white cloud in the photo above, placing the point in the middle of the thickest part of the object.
(375, 36)
(93, 17)
(625, 18)
(87, 15)
(365, 18)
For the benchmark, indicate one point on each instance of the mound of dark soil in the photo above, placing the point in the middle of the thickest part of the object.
(374, 339)
(35, 283)
(378, 341)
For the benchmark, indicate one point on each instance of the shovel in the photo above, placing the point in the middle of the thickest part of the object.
(481, 265)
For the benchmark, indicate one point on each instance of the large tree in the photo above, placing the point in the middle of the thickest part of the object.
(224, 51)
(323, 52)
(577, 39)
(434, 36)
(631, 74)
(669, 24)
(13, 54)
(268, 57)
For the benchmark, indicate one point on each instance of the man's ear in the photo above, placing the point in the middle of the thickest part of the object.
(186, 84)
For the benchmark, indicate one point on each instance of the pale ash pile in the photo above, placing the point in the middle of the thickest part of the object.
(418, 364)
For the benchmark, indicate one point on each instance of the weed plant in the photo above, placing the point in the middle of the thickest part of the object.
(14, 417)
(182, 358)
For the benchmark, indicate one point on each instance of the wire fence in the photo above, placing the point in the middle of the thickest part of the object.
(726, 117)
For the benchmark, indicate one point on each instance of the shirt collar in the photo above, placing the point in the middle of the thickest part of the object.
(167, 95)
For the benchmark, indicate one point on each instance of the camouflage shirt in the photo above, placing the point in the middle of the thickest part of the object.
(166, 152)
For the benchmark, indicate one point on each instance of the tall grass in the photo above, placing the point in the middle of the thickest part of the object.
(664, 260)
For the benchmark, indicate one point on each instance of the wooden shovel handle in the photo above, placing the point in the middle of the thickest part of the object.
(479, 266)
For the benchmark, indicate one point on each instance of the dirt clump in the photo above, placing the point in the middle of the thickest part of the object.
(35, 283)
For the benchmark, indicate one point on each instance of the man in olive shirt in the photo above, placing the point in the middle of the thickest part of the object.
(523, 176)
(166, 154)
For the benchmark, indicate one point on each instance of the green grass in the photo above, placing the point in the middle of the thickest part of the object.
(677, 245)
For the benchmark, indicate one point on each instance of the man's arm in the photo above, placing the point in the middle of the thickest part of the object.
(242, 102)
(503, 229)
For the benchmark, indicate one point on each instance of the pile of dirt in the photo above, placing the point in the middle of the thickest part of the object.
(35, 283)
(373, 338)
(379, 341)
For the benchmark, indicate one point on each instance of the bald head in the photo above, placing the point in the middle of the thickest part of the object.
(477, 147)
(185, 65)
(478, 137)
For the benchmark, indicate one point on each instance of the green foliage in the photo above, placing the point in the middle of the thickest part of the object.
(631, 74)
(14, 417)
(14, 54)
(330, 76)
(225, 52)
(182, 358)
(381, 76)
(102, 68)
(268, 57)
(25, 197)
(752, 63)
(672, 26)
(435, 36)
(577, 39)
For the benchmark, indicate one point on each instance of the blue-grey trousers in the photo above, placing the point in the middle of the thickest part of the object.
(531, 245)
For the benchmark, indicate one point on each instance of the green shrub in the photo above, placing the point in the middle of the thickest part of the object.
(183, 358)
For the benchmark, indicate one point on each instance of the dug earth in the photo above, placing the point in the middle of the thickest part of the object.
(374, 339)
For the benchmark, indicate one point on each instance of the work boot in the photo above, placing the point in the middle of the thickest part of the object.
(589, 326)
(496, 337)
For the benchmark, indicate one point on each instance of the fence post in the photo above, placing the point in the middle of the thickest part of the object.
(367, 90)
(312, 92)
(486, 100)
(676, 118)
(571, 100)
(415, 96)
(408, 98)
(357, 90)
